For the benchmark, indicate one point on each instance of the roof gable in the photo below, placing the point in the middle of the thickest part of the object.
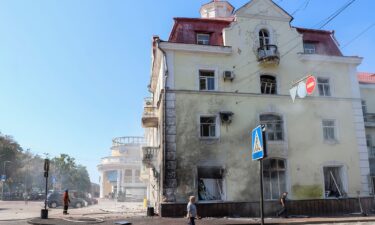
(264, 9)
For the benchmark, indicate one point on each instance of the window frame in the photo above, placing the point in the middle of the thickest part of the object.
(282, 124)
(214, 77)
(263, 39)
(217, 127)
(329, 83)
(309, 50)
(223, 182)
(277, 170)
(335, 131)
(276, 84)
(127, 176)
(208, 41)
(344, 178)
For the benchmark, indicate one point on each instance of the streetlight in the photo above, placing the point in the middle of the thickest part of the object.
(2, 187)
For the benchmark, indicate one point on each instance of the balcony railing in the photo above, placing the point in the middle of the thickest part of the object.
(268, 54)
(149, 155)
(121, 141)
(118, 160)
(369, 119)
(149, 117)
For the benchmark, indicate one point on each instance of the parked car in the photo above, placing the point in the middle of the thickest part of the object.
(55, 199)
(78, 203)
(36, 196)
(85, 196)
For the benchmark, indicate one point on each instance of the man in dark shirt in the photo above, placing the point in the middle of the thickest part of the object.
(283, 211)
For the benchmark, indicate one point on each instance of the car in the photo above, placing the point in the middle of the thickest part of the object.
(78, 203)
(55, 199)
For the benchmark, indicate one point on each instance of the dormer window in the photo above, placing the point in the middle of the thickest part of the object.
(203, 39)
(309, 48)
(264, 38)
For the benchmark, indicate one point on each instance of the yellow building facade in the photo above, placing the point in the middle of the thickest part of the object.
(213, 83)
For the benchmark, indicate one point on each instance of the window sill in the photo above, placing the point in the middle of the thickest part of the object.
(275, 142)
(208, 90)
(208, 138)
(331, 142)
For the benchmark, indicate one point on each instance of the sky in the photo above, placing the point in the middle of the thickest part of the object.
(73, 74)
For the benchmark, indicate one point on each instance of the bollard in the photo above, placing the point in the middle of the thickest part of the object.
(44, 214)
(150, 211)
(145, 203)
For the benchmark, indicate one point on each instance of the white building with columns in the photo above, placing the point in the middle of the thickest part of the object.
(120, 172)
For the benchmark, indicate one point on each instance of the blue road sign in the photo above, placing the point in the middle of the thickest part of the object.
(3, 177)
(257, 144)
(53, 179)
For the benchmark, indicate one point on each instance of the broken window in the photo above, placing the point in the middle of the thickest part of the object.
(329, 133)
(309, 48)
(264, 38)
(210, 184)
(324, 87)
(128, 176)
(274, 126)
(267, 84)
(206, 80)
(208, 126)
(203, 39)
(274, 178)
(333, 181)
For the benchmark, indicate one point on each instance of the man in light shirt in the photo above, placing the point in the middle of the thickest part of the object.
(191, 210)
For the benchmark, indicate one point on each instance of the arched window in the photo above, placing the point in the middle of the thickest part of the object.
(274, 177)
(268, 84)
(274, 126)
(264, 38)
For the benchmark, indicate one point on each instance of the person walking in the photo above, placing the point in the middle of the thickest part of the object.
(66, 201)
(283, 211)
(192, 211)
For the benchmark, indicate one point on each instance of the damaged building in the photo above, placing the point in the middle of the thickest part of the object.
(219, 76)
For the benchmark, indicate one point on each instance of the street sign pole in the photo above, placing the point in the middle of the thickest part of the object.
(261, 192)
(44, 212)
(261, 174)
(259, 152)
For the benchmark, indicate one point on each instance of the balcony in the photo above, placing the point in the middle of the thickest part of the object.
(149, 156)
(149, 117)
(268, 54)
(369, 119)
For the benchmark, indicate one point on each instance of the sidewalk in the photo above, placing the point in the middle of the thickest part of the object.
(205, 221)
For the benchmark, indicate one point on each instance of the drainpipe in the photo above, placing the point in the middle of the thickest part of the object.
(164, 112)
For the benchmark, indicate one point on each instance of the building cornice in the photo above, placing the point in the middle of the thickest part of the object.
(334, 59)
(258, 95)
(225, 50)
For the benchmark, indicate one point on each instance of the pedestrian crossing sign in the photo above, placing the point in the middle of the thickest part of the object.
(257, 143)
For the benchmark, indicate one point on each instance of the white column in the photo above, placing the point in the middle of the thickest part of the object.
(102, 184)
(118, 181)
(122, 180)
